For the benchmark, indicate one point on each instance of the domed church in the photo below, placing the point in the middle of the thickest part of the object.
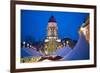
(51, 41)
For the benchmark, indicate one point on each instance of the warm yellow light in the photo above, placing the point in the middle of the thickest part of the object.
(81, 29)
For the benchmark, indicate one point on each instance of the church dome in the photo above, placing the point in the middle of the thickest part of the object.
(52, 22)
(52, 19)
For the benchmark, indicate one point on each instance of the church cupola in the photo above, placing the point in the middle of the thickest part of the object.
(52, 19)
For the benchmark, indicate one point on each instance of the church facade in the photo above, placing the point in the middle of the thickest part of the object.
(52, 42)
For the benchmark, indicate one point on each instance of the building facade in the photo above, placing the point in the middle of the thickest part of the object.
(52, 41)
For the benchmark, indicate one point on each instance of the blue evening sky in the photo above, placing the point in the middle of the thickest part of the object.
(34, 24)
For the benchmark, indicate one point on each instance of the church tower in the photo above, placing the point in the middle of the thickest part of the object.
(52, 28)
(52, 36)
